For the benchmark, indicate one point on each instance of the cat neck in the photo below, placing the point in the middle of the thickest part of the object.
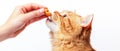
(79, 43)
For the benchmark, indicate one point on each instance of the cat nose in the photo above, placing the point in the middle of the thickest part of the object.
(57, 13)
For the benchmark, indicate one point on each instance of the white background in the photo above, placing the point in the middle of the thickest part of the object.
(105, 34)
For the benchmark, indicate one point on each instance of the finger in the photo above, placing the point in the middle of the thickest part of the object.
(33, 14)
(31, 6)
(34, 20)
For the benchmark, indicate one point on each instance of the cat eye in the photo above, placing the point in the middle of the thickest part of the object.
(64, 15)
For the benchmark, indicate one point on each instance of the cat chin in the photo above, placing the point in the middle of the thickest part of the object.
(51, 25)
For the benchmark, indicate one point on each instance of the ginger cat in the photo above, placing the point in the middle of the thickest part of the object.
(70, 32)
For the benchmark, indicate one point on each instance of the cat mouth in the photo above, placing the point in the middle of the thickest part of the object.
(49, 19)
(51, 24)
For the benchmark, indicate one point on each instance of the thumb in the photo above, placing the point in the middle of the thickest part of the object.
(33, 14)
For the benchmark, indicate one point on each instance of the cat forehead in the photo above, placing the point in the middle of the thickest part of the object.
(69, 13)
(66, 12)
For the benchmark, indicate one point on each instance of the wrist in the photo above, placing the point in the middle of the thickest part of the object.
(4, 32)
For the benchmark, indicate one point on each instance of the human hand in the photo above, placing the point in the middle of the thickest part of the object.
(21, 17)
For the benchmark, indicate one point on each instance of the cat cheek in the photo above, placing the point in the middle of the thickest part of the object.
(53, 27)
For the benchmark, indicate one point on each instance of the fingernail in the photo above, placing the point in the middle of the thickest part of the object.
(41, 11)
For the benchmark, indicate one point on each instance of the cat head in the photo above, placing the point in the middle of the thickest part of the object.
(68, 22)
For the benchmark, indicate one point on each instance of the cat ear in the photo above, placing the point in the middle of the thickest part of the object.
(87, 21)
